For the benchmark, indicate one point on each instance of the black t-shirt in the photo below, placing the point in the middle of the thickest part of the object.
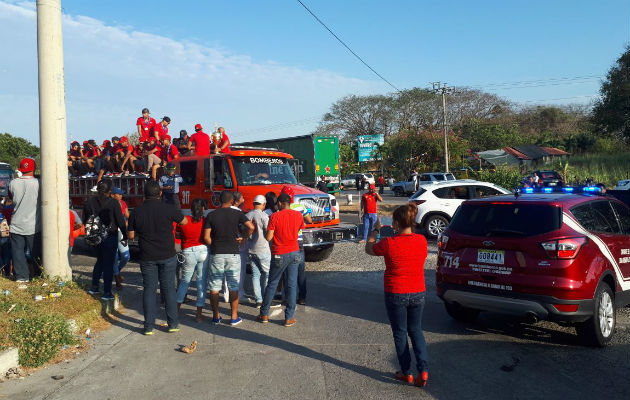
(152, 222)
(224, 223)
(109, 212)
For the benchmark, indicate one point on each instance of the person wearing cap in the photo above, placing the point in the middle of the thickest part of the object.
(74, 158)
(89, 155)
(220, 141)
(282, 232)
(145, 125)
(258, 248)
(122, 255)
(370, 213)
(128, 156)
(160, 130)
(117, 154)
(183, 143)
(200, 141)
(169, 184)
(168, 151)
(25, 228)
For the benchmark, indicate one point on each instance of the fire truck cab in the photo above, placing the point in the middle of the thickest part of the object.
(251, 171)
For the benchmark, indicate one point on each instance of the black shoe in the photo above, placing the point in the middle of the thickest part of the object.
(301, 302)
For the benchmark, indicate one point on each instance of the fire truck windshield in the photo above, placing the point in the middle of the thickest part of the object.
(261, 170)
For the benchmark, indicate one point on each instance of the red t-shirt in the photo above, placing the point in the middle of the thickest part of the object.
(369, 203)
(161, 130)
(201, 141)
(168, 153)
(123, 207)
(137, 151)
(404, 262)
(219, 143)
(285, 225)
(191, 234)
(146, 128)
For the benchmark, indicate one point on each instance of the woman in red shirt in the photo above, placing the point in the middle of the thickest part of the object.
(196, 257)
(404, 254)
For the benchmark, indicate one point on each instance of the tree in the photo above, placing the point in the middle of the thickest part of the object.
(612, 112)
(13, 149)
(489, 136)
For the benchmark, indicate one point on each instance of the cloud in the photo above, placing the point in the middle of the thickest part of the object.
(113, 72)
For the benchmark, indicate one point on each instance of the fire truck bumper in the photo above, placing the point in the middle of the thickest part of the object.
(315, 237)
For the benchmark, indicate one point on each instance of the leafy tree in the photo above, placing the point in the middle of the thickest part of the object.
(490, 136)
(612, 112)
(13, 148)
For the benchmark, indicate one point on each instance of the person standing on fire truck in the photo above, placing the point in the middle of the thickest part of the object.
(200, 141)
(145, 125)
(220, 141)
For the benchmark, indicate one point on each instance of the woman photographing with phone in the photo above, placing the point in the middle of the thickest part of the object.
(405, 254)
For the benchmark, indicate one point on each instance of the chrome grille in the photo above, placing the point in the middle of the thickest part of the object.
(319, 206)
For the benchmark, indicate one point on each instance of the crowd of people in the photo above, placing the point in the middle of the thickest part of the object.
(153, 149)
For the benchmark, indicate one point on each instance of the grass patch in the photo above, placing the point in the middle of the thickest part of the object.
(39, 329)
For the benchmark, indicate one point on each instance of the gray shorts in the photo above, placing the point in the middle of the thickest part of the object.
(224, 265)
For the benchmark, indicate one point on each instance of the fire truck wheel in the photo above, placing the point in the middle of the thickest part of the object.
(318, 253)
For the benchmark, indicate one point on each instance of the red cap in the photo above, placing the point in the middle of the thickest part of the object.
(106, 143)
(27, 165)
(124, 139)
(152, 139)
(288, 190)
(85, 142)
(198, 127)
(166, 137)
(372, 186)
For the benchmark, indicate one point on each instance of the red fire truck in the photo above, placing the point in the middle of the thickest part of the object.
(252, 171)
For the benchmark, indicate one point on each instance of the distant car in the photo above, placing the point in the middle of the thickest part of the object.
(549, 178)
(623, 185)
(412, 183)
(437, 202)
(348, 182)
(558, 256)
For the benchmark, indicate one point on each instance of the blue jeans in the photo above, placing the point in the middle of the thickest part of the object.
(20, 246)
(405, 317)
(301, 277)
(106, 256)
(162, 271)
(279, 263)
(196, 260)
(228, 266)
(260, 273)
(122, 258)
(5, 253)
(369, 220)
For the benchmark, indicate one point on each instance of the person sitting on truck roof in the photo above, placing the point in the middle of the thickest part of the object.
(200, 142)
(168, 152)
(153, 161)
(182, 143)
(128, 156)
(88, 155)
(145, 125)
(220, 141)
(74, 159)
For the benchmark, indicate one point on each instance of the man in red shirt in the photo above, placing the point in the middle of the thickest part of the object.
(282, 232)
(128, 156)
(151, 154)
(200, 141)
(169, 151)
(368, 208)
(145, 125)
(160, 130)
(220, 141)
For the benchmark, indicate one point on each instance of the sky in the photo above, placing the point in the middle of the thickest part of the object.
(267, 69)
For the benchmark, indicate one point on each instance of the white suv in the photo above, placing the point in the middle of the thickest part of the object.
(438, 201)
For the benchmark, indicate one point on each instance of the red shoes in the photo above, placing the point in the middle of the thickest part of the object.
(421, 380)
(403, 377)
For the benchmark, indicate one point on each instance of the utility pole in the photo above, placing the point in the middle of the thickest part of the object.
(444, 89)
(52, 137)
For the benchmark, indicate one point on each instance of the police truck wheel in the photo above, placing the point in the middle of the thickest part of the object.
(318, 253)
(599, 329)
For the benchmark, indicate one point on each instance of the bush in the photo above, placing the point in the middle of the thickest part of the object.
(506, 177)
(39, 338)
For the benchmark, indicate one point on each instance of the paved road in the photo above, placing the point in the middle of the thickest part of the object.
(388, 196)
(340, 348)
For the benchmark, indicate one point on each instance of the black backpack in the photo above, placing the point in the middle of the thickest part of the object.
(95, 230)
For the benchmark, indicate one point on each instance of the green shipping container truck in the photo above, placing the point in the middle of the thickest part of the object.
(315, 155)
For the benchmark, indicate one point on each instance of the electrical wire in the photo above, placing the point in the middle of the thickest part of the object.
(347, 47)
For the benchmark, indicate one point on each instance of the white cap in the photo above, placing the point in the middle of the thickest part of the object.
(260, 199)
